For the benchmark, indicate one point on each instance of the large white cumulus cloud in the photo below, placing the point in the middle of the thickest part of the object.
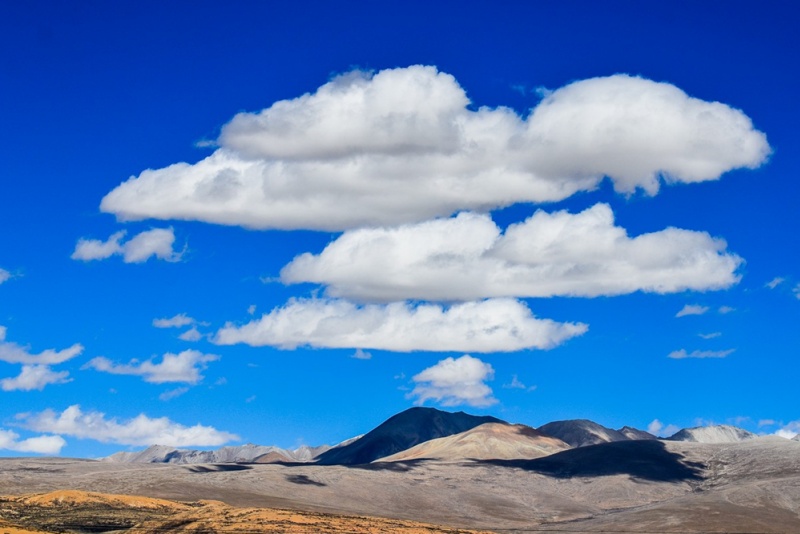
(495, 325)
(468, 257)
(402, 146)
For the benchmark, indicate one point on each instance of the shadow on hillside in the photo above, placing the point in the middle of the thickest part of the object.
(399, 467)
(213, 468)
(643, 459)
(304, 480)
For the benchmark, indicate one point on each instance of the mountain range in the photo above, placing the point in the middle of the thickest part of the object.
(429, 433)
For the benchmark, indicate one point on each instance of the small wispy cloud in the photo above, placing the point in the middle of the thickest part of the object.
(775, 282)
(176, 321)
(692, 309)
(516, 383)
(726, 309)
(362, 355)
(683, 354)
(172, 393)
(711, 335)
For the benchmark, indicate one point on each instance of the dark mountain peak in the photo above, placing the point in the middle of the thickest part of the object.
(581, 432)
(402, 431)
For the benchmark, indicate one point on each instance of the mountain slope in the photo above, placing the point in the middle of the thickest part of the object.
(402, 432)
(712, 434)
(635, 433)
(485, 442)
(581, 432)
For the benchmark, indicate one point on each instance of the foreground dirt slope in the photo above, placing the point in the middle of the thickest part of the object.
(79, 511)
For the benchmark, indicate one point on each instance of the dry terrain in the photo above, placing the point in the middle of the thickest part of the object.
(625, 486)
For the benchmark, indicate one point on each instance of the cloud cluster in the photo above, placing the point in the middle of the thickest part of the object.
(183, 367)
(141, 430)
(402, 145)
(157, 242)
(657, 428)
(468, 257)
(36, 372)
(495, 325)
(683, 354)
(38, 444)
(453, 382)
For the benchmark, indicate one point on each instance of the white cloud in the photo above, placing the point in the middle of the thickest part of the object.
(172, 393)
(657, 428)
(13, 353)
(467, 257)
(796, 291)
(4, 275)
(711, 335)
(174, 322)
(251, 309)
(495, 325)
(516, 383)
(362, 355)
(724, 310)
(141, 430)
(183, 367)
(402, 146)
(682, 354)
(193, 334)
(766, 422)
(789, 431)
(38, 444)
(452, 382)
(775, 282)
(692, 309)
(34, 377)
(157, 242)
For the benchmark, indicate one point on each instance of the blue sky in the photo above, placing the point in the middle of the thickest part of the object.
(413, 144)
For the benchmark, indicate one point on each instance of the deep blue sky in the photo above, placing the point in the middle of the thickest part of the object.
(92, 93)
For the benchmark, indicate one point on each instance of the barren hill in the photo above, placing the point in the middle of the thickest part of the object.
(581, 432)
(402, 432)
(713, 434)
(487, 441)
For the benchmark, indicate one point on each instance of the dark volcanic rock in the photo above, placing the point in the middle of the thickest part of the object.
(401, 432)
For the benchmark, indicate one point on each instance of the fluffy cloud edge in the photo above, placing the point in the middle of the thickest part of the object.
(493, 325)
(140, 430)
(50, 445)
(455, 382)
(185, 367)
(156, 242)
(11, 352)
(468, 257)
(34, 377)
